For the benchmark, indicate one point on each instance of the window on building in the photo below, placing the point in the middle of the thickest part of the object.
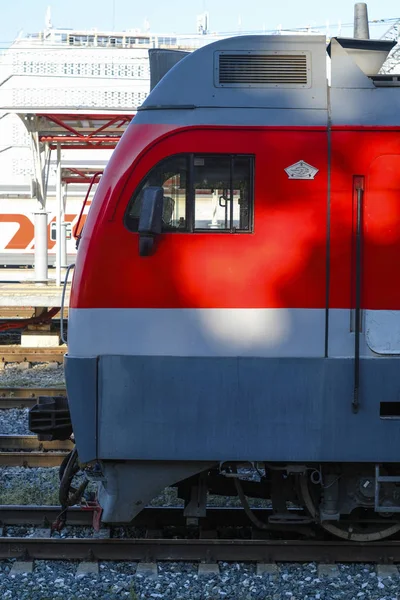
(212, 193)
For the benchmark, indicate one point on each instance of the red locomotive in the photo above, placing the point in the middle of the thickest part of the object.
(235, 298)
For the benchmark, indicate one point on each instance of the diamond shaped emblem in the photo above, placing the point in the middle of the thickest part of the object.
(301, 170)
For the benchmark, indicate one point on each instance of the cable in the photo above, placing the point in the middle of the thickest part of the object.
(243, 500)
(69, 495)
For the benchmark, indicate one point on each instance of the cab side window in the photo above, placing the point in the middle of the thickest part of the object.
(222, 193)
(202, 193)
(171, 175)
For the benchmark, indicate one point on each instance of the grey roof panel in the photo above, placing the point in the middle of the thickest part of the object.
(191, 82)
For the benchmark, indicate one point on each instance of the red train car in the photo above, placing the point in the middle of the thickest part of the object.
(235, 300)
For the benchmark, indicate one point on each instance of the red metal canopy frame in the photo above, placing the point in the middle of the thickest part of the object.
(86, 131)
(81, 175)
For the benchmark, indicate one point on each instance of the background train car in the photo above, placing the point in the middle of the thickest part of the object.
(17, 243)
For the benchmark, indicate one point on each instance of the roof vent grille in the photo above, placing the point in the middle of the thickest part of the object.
(262, 69)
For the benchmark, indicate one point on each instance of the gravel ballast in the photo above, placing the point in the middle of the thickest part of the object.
(20, 485)
(180, 581)
(41, 375)
(14, 421)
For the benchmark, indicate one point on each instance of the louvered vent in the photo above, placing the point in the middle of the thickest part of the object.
(262, 69)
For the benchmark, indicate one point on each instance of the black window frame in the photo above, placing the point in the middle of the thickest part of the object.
(191, 193)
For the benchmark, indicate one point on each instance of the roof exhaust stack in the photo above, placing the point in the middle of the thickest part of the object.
(161, 61)
(368, 55)
(361, 27)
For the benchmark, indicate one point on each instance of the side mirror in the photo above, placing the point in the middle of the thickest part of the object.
(150, 220)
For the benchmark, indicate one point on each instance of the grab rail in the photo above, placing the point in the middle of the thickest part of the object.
(359, 189)
(63, 339)
(77, 235)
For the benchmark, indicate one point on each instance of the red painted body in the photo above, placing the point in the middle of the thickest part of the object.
(374, 153)
(283, 263)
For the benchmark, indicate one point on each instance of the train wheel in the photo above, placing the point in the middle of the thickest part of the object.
(348, 530)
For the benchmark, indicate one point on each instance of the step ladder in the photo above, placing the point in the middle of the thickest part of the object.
(379, 479)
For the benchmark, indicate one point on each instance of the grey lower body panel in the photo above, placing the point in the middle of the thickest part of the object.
(81, 384)
(160, 408)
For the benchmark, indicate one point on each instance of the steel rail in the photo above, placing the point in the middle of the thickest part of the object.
(31, 442)
(26, 397)
(23, 312)
(151, 517)
(31, 459)
(208, 547)
(28, 451)
(21, 514)
(10, 354)
(237, 550)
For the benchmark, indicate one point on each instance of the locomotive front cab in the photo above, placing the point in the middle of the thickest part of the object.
(215, 329)
(200, 327)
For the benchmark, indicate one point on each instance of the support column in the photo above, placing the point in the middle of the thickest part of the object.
(58, 216)
(63, 242)
(64, 226)
(41, 247)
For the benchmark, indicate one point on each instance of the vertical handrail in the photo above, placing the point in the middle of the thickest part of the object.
(75, 233)
(63, 339)
(359, 188)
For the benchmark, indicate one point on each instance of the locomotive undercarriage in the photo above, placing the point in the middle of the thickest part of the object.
(358, 502)
(355, 502)
(352, 501)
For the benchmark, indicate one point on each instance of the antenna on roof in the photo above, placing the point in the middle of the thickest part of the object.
(361, 28)
(49, 24)
(202, 23)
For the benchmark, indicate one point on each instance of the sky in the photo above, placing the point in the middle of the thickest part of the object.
(167, 16)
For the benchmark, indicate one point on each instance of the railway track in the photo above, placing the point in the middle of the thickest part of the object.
(28, 451)
(18, 354)
(23, 312)
(188, 550)
(25, 397)
(31, 442)
(207, 546)
(151, 518)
